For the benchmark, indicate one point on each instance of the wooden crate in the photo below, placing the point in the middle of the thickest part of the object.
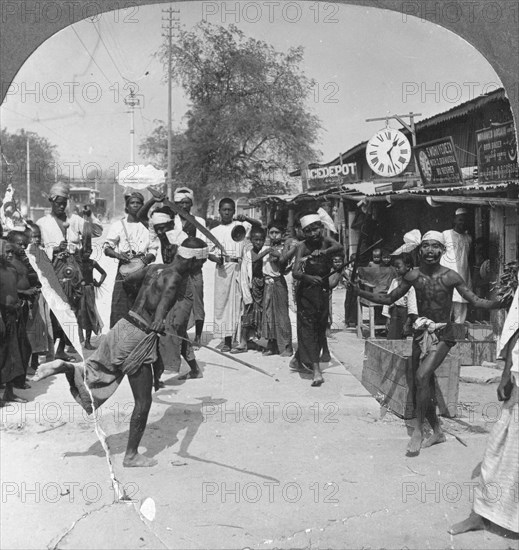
(475, 352)
(388, 373)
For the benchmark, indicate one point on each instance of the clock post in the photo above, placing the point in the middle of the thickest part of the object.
(409, 127)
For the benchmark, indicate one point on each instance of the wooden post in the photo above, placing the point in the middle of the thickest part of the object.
(496, 253)
(290, 226)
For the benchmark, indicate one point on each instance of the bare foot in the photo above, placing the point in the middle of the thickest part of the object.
(473, 523)
(88, 346)
(196, 344)
(437, 437)
(49, 369)
(139, 461)
(318, 379)
(325, 357)
(287, 353)
(415, 443)
(191, 374)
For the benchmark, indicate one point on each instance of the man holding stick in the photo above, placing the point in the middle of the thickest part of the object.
(434, 334)
(131, 347)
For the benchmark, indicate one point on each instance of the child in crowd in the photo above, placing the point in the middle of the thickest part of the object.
(402, 314)
(385, 259)
(39, 325)
(252, 284)
(89, 319)
(376, 256)
(276, 326)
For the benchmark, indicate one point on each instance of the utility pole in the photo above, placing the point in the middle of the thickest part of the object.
(28, 179)
(172, 24)
(133, 102)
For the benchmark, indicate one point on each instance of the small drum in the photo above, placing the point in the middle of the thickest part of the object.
(131, 271)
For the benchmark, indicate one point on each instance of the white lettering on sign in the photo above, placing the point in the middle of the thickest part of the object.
(349, 169)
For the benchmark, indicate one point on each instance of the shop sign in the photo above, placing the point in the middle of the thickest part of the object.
(497, 153)
(438, 163)
(327, 176)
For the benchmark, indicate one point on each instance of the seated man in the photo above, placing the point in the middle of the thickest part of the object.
(131, 347)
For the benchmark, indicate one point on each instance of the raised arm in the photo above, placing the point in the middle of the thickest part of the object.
(475, 301)
(142, 214)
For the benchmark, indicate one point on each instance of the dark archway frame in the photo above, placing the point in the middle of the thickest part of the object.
(491, 26)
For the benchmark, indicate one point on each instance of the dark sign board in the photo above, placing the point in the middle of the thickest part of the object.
(438, 163)
(497, 153)
(332, 176)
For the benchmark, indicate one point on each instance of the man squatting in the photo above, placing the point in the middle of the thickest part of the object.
(131, 347)
(434, 334)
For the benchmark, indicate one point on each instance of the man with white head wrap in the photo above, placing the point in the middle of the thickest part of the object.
(184, 197)
(130, 348)
(127, 239)
(312, 265)
(434, 334)
(456, 257)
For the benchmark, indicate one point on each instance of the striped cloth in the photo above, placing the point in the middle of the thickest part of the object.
(497, 499)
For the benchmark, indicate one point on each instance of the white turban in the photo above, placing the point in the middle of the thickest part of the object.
(59, 189)
(309, 219)
(326, 220)
(434, 236)
(183, 193)
(198, 253)
(158, 218)
(461, 211)
(411, 241)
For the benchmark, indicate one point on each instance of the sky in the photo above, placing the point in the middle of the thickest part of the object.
(366, 62)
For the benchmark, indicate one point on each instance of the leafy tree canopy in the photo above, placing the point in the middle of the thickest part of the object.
(248, 124)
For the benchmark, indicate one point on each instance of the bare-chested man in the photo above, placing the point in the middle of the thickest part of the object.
(434, 286)
(312, 265)
(131, 347)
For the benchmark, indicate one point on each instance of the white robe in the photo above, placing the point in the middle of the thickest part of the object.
(52, 236)
(456, 257)
(227, 288)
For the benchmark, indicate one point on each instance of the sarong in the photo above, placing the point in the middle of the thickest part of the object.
(123, 298)
(497, 497)
(198, 296)
(39, 328)
(276, 321)
(252, 317)
(88, 317)
(397, 322)
(124, 350)
(312, 315)
(172, 348)
(227, 299)
(12, 355)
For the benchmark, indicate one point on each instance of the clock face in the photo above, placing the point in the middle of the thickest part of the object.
(425, 165)
(388, 152)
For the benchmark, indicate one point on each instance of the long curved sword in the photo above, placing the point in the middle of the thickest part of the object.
(189, 217)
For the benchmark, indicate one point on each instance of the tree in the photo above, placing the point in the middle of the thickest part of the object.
(248, 124)
(43, 159)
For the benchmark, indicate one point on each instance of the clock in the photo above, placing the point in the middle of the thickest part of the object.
(388, 152)
(425, 166)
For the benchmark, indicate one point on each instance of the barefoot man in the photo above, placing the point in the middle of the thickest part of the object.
(312, 265)
(434, 334)
(131, 347)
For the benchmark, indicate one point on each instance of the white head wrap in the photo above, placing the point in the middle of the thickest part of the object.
(326, 220)
(183, 193)
(411, 241)
(160, 217)
(309, 219)
(461, 211)
(434, 236)
(198, 253)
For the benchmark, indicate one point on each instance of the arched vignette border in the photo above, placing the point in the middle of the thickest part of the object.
(496, 38)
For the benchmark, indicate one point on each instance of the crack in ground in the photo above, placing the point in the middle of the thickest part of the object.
(322, 529)
(55, 545)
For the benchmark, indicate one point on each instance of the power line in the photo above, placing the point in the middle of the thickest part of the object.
(108, 52)
(86, 49)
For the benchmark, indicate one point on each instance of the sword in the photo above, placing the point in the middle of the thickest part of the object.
(189, 217)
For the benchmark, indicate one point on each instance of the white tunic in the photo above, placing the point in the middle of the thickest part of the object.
(227, 289)
(456, 257)
(136, 238)
(52, 235)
